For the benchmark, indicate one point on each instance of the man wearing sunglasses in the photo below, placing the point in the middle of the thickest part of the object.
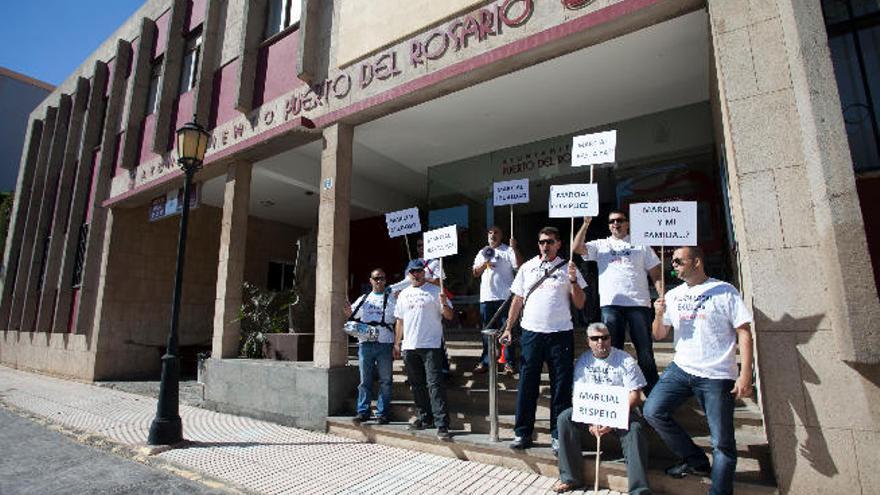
(544, 288)
(604, 365)
(418, 336)
(624, 297)
(710, 321)
(375, 308)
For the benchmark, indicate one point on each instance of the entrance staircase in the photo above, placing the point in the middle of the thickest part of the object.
(467, 398)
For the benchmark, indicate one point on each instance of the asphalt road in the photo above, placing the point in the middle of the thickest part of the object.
(36, 460)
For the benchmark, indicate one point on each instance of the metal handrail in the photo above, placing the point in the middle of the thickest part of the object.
(491, 334)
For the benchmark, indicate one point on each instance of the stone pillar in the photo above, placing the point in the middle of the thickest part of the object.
(802, 244)
(230, 263)
(331, 343)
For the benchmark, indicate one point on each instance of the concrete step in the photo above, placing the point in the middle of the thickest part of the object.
(750, 479)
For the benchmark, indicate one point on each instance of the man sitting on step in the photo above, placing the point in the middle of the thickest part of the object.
(604, 365)
(710, 321)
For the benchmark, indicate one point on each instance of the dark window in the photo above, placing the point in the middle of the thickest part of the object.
(853, 36)
(80, 255)
(153, 92)
(190, 70)
(280, 15)
(280, 276)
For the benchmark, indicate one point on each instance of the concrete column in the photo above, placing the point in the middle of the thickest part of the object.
(230, 262)
(61, 214)
(138, 93)
(31, 213)
(210, 58)
(331, 343)
(80, 195)
(170, 82)
(250, 36)
(18, 218)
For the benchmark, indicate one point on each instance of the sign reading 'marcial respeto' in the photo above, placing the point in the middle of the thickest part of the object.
(511, 192)
(604, 405)
(403, 222)
(594, 149)
(574, 200)
(673, 223)
(440, 242)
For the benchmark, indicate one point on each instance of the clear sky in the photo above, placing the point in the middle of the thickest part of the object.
(49, 39)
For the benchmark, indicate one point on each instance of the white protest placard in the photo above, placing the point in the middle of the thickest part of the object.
(574, 200)
(604, 405)
(403, 222)
(672, 223)
(594, 149)
(511, 192)
(440, 242)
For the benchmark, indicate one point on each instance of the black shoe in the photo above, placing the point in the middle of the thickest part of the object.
(683, 469)
(361, 418)
(443, 433)
(520, 443)
(382, 420)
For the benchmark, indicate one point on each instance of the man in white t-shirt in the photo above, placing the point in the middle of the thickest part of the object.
(604, 365)
(418, 336)
(624, 296)
(710, 321)
(544, 288)
(495, 265)
(376, 308)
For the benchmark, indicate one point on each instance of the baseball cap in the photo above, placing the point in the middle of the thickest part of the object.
(415, 265)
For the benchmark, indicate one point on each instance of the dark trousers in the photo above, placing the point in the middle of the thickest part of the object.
(674, 388)
(557, 350)
(487, 311)
(424, 371)
(638, 319)
(632, 442)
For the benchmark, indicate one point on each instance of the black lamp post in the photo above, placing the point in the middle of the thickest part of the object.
(166, 429)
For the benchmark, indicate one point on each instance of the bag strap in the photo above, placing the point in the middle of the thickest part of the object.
(358, 307)
(385, 305)
(543, 278)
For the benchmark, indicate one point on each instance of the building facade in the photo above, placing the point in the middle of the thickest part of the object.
(19, 95)
(324, 115)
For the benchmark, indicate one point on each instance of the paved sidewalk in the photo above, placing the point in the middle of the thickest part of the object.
(259, 456)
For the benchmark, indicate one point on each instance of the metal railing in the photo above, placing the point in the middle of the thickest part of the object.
(492, 334)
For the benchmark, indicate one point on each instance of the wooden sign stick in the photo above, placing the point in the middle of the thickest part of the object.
(598, 460)
(408, 252)
(511, 221)
(571, 241)
(662, 269)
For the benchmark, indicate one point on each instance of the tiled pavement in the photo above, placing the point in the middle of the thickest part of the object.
(260, 456)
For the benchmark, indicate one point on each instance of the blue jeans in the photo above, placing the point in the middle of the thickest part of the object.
(374, 356)
(487, 311)
(639, 319)
(673, 389)
(557, 349)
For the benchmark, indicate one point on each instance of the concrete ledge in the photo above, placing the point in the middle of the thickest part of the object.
(285, 392)
(53, 354)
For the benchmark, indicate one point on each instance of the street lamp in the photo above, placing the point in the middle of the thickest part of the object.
(166, 429)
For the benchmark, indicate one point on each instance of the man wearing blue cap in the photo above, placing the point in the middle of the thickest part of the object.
(418, 338)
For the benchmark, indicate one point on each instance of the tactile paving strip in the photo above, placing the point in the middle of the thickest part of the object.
(261, 456)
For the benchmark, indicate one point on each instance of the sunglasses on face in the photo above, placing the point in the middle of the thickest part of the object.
(677, 261)
(378, 279)
(617, 220)
(544, 242)
(597, 338)
(417, 271)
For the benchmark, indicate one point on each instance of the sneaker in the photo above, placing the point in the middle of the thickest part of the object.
(520, 443)
(554, 444)
(480, 368)
(683, 469)
(508, 370)
(418, 424)
(361, 417)
(443, 433)
(382, 420)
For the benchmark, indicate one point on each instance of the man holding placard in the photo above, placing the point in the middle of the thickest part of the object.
(418, 337)
(710, 321)
(623, 287)
(544, 288)
(495, 266)
(603, 366)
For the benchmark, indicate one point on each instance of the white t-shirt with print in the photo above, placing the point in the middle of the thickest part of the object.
(371, 312)
(496, 279)
(547, 308)
(623, 271)
(705, 318)
(419, 308)
(619, 369)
